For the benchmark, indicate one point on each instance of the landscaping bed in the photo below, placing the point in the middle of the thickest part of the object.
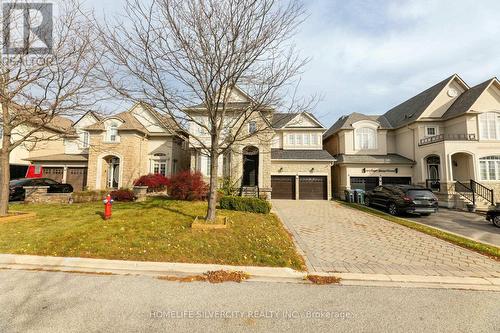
(155, 230)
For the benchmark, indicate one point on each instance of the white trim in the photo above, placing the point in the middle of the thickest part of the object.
(436, 127)
(310, 117)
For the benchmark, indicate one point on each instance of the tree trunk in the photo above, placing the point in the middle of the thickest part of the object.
(212, 196)
(4, 180)
(4, 161)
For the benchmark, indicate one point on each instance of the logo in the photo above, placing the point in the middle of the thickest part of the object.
(27, 28)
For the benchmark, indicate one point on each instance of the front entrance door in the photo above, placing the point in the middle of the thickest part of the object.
(250, 170)
(114, 173)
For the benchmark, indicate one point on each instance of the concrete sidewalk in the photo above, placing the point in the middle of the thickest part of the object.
(260, 274)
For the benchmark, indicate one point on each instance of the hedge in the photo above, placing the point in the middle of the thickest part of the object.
(245, 204)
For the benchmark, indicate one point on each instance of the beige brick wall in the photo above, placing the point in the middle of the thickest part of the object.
(133, 154)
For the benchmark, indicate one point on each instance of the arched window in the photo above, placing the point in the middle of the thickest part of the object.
(489, 126)
(112, 132)
(489, 168)
(366, 138)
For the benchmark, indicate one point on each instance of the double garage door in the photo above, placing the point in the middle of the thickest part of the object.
(77, 177)
(369, 183)
(310, 187)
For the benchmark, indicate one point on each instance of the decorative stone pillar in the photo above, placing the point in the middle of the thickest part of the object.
(35, 194)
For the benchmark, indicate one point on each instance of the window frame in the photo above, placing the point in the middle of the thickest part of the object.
(360, 135)
(435, 128)
(489, 126)
(252, 127)
(487, 164)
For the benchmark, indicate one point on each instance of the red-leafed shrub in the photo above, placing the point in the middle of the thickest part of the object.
(123, 195)
(154, 182)
(187, 185)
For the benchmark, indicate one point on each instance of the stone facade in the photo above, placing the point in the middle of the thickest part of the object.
(39, 195)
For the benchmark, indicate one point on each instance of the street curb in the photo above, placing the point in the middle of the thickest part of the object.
(260, 274)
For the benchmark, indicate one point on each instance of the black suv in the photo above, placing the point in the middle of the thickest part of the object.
(493, 215)
(403, 199)
(17, 192)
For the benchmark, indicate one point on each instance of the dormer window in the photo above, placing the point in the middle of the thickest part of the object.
(366, 138)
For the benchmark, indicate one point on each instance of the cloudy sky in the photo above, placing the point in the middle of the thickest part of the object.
(368, 56)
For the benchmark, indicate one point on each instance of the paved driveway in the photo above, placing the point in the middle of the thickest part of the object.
(335, 238)
(467, 224)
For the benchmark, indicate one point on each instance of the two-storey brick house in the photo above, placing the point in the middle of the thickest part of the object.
(283, 159)
(447, 138)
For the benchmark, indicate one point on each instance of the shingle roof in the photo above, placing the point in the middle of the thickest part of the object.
(60, 158)
(280, 119)
(465, 101)
(373, 159)
(411, 109)
(346, 122)
(281, 154)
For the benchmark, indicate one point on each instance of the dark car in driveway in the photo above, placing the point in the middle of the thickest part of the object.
(397, 199)
(17, 191)
(493, 215)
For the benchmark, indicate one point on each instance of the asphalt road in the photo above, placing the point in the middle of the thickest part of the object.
(64, 302)
(467, 224)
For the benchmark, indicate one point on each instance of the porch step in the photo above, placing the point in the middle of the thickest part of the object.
(250, 191)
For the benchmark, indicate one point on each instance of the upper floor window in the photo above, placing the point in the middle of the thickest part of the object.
(85, 139)
(252, 127)
(112, 133)
(489, 126)
(291, 139)
(366, 138)
(298, 139)
(431, 131)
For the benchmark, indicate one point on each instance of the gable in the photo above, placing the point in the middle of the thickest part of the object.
(88, 119)
(147, 119)
(445, 99)
(489, 100)
(237, 96)
(303, 120)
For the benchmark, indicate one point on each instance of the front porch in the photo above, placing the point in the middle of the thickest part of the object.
(459, 181)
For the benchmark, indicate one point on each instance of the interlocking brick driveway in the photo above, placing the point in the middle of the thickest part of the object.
(336, 238)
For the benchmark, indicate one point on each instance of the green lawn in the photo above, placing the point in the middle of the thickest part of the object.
(156, 230)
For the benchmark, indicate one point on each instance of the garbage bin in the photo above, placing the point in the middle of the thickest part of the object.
(349, 195)
(359, 196)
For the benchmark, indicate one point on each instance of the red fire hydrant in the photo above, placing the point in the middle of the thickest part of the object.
(108, 202)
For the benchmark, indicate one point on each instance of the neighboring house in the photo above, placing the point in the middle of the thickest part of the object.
(49, 140)
(446, 138)
(283, 159)
(130, 144)
(68, 163)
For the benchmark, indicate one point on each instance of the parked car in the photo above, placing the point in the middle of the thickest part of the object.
(17, 192)
(493, 215)
(403, 199)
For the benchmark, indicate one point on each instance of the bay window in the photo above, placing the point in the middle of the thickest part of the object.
(489, 168)
(489, 126)
(366, 138)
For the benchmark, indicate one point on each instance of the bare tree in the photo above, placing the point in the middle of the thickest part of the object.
(43, 78)
(171, 54)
